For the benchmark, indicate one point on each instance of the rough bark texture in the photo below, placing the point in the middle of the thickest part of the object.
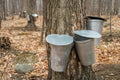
(87, 73)
(31, 9)
(62, 17)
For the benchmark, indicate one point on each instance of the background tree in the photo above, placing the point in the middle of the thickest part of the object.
(31, 9)
(0, 21)
(92, 7)
(3, 10)
(0, 13)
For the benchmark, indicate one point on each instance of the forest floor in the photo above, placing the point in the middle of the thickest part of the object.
(107, 66)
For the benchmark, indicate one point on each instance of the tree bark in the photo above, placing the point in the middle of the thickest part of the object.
(0, 22)
(3, 10)
(87, 73)
(0, 13)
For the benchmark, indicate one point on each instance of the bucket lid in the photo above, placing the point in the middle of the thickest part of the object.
(34, 15)
(95, 18)
(87, 33)
(60, 40)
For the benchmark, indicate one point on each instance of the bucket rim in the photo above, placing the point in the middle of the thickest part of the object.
(87, 33)
(83, 41)
(95, 18)
(34, 15)
(59, 39)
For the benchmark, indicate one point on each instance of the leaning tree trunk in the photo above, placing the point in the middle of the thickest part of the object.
(62, 17)
(31, 9)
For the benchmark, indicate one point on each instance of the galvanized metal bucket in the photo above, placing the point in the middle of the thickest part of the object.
(95, 24)
(35, 16)
(85, 49)
(84, 44)
(60, 50)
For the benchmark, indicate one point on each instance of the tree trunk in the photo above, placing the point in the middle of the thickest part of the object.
(62, 17)
(31, 9)
(0, 13)
(3, 10)
(87, 73)
(0, 22)
(31, 24)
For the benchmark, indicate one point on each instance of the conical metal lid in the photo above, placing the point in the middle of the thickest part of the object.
(57, 39)
(87, 33)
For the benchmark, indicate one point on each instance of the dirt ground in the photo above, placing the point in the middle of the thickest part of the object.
(107, 66)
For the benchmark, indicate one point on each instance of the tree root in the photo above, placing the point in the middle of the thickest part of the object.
(87, 73)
